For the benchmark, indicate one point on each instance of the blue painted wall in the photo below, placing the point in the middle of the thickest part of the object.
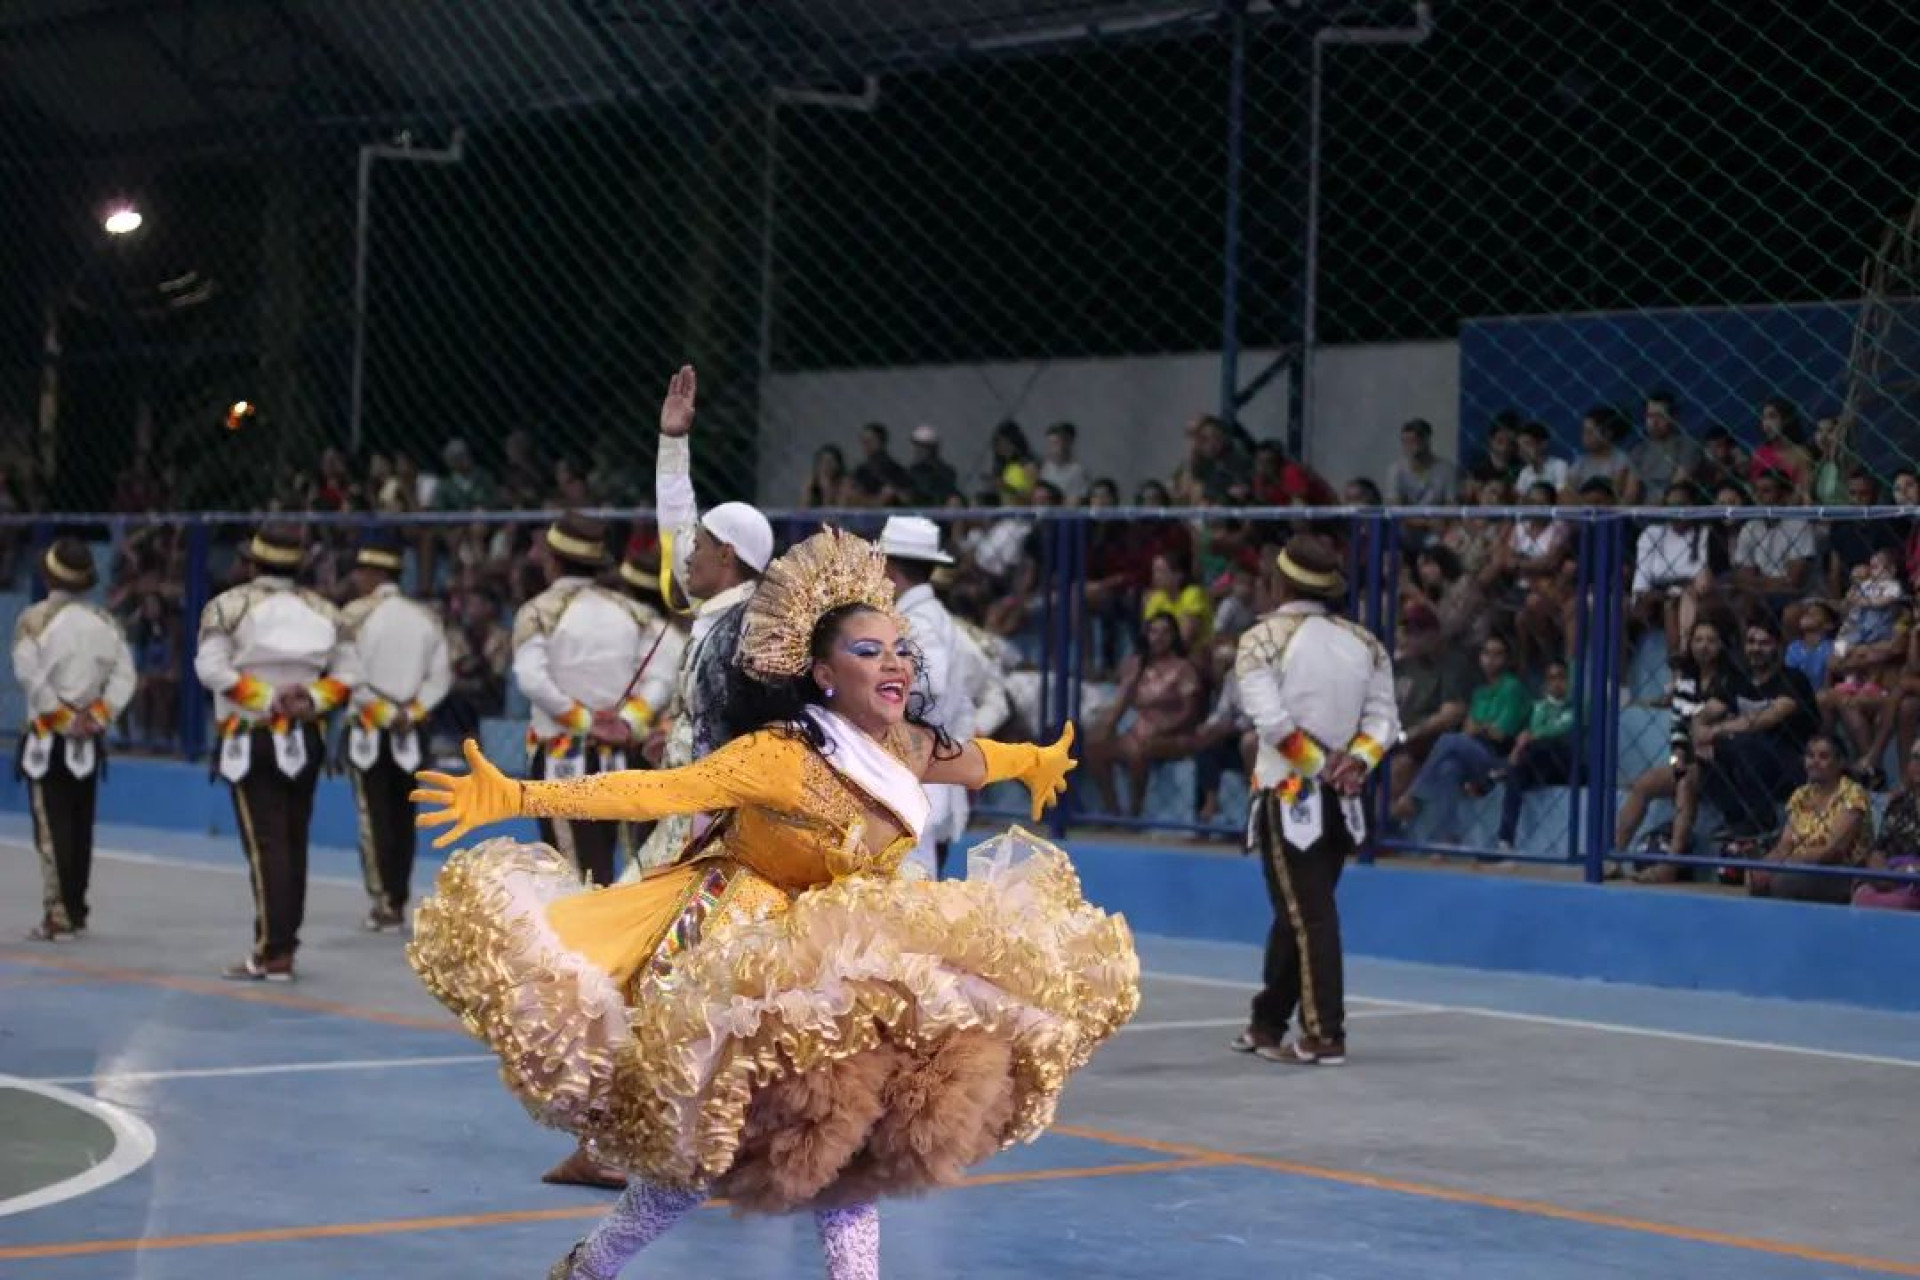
(1721, 363)
(1615, 933)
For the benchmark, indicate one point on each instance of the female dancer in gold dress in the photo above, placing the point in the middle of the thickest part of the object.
(778, 1016)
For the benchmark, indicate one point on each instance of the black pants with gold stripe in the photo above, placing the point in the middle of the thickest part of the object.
(275, 813)
(63, 808)
(591, 846)
(1303, 965)
(386, 828)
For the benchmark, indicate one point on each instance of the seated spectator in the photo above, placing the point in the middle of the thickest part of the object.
(828, 479)
(1008, 448)
(1542, 755)
(879, 480)
(1439, 581)
(1432, 682)
(1773, 556)
(1224, 742)
(1474, 539)
(1280, 481)
(1868, 655)
(1751, 750)
(480, 651)
(1667, 456)
(1215, 461)
(1897, 847)
(931, 479)
(1829, 823)
(1701, 691)
(1501, 460)
(1462, 762)
(1173, 593)
(1603, 432)
(154, 638)
(1538, 466)
(1906, 493)
(1236, 609)
(1669, 557)
(1723, 463)
(1419, 477)
(1531, 574)
(1811, 650)
(1362, 492)
(1163, 690)
(1833, 464)
(1782, 450)
(1022, 580)
(1060, 469)
(1851, 543)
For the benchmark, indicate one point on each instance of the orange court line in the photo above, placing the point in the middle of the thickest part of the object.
(11, 981)
(337, 1230)
(1533, 1208)
(251, 993)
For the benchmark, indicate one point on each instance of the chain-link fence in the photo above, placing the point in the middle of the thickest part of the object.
(388, 228)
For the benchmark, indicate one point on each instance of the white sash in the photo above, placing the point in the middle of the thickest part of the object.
(81, 757)
(405, 749)
(236, 755)
(363, 747)
(37, 755)
(866, 764)
(1301, 821)
(290, 750)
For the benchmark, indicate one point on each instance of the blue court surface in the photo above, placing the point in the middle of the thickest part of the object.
(158, 1123)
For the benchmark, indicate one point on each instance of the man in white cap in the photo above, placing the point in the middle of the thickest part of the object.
(714, 560)
(912, 547)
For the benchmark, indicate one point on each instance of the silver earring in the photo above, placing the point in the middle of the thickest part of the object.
(829, 693)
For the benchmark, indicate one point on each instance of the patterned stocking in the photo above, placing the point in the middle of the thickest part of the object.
(641, 1215)
(850, 1238)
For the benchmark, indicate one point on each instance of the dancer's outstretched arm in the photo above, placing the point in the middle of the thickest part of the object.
(983, 761)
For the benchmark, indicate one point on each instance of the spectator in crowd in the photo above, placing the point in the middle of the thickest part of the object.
(1773, 556)
(1868, 655)
(1440, 582)
(154, 638)
(1538, 466)
(1112, 581)
(335, 488)
(1462, 761)
(1215, 462)
(1701, 691)
(1432, 682)
(1362, 492)
(137, 490)
(1811, 649)
(1172, 592)
(1602, 432)
(1022, 579)
(1163, 691)
(465, 487)
(524, 475)
(1280, 481)
(405, 489)
(1829, 823)
(931, 479)
(1669, 557)
(1501, 460)
(1897, 847)
(1542, 755)
(1667, 456)
(1833, 464)
(570, 490)
(1782, 450)
(1419, 478)
(1008, 449)
(1060, 469)
(827, 482)
(611, 477)
(1475, 540)
(480, 650)
(1751, 750)
(1852, 543)
(1224, 742)
(879, 480)
(1237, 608)
(1723, 463)
(1906, 493)
(1531, 572)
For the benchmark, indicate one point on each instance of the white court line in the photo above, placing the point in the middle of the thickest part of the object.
(272, 1069)
(133, 1146)
(237, 868)
(1583, 1024)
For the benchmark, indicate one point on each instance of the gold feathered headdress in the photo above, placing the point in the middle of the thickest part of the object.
(828, 571)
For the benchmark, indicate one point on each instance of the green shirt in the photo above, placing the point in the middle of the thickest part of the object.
(1501, 706)
(1552, 718)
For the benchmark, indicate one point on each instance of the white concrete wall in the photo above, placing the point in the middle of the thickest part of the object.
(1131, 412)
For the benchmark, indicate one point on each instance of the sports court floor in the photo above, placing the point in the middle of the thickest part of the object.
(158, 1123)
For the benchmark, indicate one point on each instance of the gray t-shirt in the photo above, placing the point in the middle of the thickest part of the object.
(1657, 462)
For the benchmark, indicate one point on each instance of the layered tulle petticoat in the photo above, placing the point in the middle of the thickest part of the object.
(874, 1036)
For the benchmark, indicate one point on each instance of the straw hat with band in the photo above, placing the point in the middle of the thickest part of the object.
(1311, 568)
(276, 548)
(380, 549)
(68, 566)
(579, 541)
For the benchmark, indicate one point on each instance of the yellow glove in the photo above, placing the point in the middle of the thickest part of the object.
(482, 796)
(1043, 770)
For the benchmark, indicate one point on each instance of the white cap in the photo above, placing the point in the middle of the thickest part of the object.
(913, 538)
(745, 530)
(924, 434)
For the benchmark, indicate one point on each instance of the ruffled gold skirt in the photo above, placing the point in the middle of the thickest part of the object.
(875, 1036)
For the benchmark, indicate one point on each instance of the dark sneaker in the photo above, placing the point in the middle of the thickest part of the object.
(1304, 1051)
(382, 919)
(253, 969)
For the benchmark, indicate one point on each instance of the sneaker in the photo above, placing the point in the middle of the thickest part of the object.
(48, 930)
(253, 969)
(1303, 1051)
